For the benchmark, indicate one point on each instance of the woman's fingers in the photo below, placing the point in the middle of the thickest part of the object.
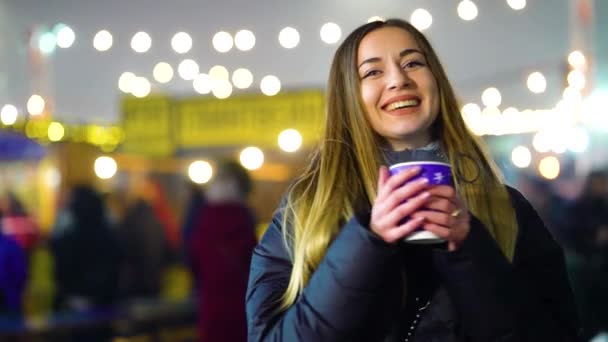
(437, 217)
(392, 218)
(444, 191)
(400, 232)
(406, 192)
(441, 204)
(395, 181)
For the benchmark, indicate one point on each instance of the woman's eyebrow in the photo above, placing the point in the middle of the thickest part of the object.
(369, 60)
(409, 51)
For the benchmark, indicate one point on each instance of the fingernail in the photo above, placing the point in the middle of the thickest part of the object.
(423, 180)
(425, 194)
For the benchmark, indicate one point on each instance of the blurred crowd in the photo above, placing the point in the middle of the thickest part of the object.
(107, 251)
(577, 216)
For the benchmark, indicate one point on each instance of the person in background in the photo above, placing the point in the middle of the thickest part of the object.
(221, 246)
(195, 203)
(86, 253)
(13, 276)
(587, 241)
(146, 252)
(155, 194)
(333, 266)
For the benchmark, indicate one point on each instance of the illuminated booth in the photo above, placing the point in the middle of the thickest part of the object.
(270, 135)
(26, 171)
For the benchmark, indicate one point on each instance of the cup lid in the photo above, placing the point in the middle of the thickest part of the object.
(420, 162)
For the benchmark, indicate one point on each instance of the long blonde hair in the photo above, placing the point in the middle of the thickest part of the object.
(342, 174)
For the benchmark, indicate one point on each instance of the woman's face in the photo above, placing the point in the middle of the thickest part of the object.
(399, 90)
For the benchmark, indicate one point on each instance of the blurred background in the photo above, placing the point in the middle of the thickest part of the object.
(115, 116)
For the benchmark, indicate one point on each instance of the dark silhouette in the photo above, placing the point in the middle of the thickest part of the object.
(146, 251)
(86, 253)
(13, 275)
(221, 247)
(587, 243)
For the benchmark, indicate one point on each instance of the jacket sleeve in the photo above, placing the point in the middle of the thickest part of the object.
(336, 300)
(527, 300)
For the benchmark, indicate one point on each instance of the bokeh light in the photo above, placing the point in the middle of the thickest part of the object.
(202, 84)
(52, 177)
(188, 69)
(65, 37)
(330, 33)
(105, 167)
(290, 140)
(181, 42)
(467, 10)
(289, 37)
(219, 72)
(252, 158)
(35, 105)
(47, 42)
(55, 132)
(491, 97)
(421, 19)
(222, 42)
(576, 59)
(221, 88)
(541, 142)
(126, 81)
(270, 85)
(536, 82)
(576, 79)
(244, 40)
(375, 18)
(141, 42)
(163, 72)
(549, 167)
(521, 156)
(242, 78)
(141, 87)
(200, 171)
(103, 41)
(8, 114)
(471, 109)
(517, 4)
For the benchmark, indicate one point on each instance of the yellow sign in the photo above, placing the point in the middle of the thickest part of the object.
(158, 125)
(249, 119)
(147, 125)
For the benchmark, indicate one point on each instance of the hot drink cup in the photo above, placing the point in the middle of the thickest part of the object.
(437, 173)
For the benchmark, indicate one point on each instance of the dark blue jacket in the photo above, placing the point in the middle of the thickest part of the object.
(355, 294)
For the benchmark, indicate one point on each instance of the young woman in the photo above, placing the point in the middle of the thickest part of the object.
(333, 266)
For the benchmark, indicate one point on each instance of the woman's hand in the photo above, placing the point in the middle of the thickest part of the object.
(446, 216)
(396, 201)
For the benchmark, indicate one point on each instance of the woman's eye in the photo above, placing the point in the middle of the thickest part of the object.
(412, 64)
(371, 73)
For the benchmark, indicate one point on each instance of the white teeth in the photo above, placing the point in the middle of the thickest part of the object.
(402, 104)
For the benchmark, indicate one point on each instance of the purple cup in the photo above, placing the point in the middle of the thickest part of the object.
(437, 173)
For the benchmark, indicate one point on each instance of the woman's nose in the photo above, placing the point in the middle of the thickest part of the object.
(398, 78)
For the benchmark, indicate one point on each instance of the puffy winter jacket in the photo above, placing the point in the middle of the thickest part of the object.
(355, 294)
